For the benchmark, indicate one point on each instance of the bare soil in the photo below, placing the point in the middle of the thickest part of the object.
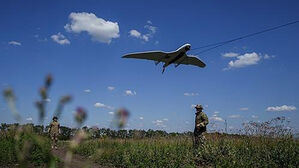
(77, 160)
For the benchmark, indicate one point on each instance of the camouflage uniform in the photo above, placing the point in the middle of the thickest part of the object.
(54, 132)
(201, 122)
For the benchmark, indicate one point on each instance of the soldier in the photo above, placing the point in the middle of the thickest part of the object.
(201, 122)
(54, 131)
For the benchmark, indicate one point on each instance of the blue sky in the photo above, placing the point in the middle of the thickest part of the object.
(81, 43)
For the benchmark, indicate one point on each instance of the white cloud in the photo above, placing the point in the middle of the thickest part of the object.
(165, 119)
(101, 105)
(244, 108)
(145, 37)
(42, 40)
(111, 112)
(266, 56)
(149, 22)
(244, 60)
(48, 100)
(254, 116)
(235, 116)
(110, 88)
(141, 118)
(29, 119)
(14, 43)
(281, 108)
(130, 93)
(151, 30)
(98, 28)
(230, 54)
(159, 123)
(217, 118)
(216, 112)
(87, 90)
(135, 33)
(60, 39)
(191, 94)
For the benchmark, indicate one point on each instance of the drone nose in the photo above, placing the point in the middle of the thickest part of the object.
(187, 48)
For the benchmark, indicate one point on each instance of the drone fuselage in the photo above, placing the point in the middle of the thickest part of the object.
(177, 56)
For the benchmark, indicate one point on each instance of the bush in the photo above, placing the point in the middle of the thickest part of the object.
(24, 147)
(7, 149)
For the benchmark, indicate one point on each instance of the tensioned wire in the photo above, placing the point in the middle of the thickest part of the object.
(219, 44)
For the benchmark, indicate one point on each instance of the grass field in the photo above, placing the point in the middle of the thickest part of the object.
(219, 151)
(259, 144)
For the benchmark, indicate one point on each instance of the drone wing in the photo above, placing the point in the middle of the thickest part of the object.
(151, 55)
(193, 60)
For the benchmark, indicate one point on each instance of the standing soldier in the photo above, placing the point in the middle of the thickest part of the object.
(54, 131)
(201, 122)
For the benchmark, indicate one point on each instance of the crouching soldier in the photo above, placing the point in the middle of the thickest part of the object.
(201, 122)
(54, 131)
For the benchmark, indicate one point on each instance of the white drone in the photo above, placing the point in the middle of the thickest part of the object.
(177, 57)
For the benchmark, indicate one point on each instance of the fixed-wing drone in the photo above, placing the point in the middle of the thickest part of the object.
(177, 57)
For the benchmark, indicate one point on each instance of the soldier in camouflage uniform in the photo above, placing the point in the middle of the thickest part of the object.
(201, 122)
(54, 131)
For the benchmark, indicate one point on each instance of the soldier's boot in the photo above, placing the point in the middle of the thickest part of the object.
(52, 142)
(55, 142)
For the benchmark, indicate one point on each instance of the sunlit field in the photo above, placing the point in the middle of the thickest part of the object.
(219, 151)
(27, 146)
(257, 144)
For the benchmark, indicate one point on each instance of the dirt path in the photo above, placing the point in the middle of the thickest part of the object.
(77, 160)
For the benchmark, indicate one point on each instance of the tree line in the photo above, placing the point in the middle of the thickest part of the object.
(67, 133)
(276, 127)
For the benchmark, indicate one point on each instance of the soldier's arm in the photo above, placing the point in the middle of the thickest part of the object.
(50, 126)
(59, 130)
(206, 120)
(197, 124)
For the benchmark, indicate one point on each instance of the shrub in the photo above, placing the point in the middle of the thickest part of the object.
(21, 145)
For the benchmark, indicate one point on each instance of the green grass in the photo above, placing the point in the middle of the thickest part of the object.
(7, 151)
(219, 151)
(24, 148)
(177, 151)
(139, 153)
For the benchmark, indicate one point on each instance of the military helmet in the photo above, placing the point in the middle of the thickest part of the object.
(198, 106)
